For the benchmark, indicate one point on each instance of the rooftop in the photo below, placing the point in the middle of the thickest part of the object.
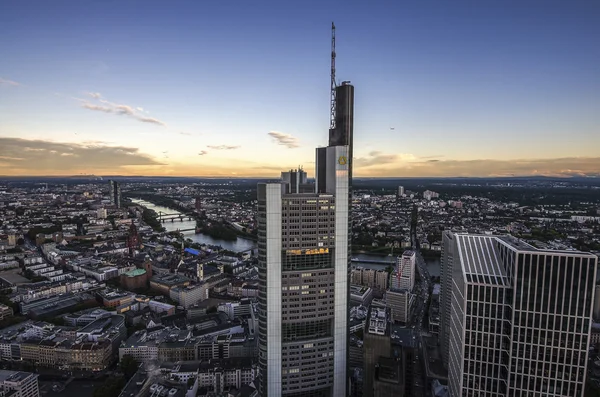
(14, 376)
(378, 321)
(480, 258)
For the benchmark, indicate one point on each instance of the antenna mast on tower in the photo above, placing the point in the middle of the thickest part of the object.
(333, 84)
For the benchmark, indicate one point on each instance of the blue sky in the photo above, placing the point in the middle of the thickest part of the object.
(473, 86)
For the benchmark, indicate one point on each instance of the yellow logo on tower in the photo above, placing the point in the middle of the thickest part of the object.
(342, 160)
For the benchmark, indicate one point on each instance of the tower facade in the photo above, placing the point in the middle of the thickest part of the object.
(304, 267)
(115, 193)
(520, 318)
(303, 285)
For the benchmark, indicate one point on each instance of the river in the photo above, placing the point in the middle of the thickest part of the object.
(239, 245)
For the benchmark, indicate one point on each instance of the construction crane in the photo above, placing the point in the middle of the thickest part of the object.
(333, 84)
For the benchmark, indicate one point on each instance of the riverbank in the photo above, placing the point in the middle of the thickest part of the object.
(189, 227)
(214, 229)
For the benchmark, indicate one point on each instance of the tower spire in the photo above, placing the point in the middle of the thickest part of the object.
(333, 84)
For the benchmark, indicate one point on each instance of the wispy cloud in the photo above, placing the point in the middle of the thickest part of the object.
(202, 153)
(283, 139)
(98, 108)
(377, 158)
(27, 157)
(118, 109)
(8, 82)
(222, 147)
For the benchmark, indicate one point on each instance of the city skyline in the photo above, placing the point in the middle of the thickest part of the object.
(241, 90)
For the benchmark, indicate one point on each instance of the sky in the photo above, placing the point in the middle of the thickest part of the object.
(241, 88)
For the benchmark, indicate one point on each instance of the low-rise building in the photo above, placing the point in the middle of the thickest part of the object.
(5, 312)
(189, 295)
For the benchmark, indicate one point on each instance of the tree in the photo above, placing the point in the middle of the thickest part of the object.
(128, 366)
(20, 241)
(228, 269)
(110, 388)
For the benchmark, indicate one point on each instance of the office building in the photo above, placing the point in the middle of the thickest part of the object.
(5, 311)
(404, 276)
(520, 318)
(400, 302)
(115, 193)
(303, 258)
(19, 384)
(304, 267)
(400, 191)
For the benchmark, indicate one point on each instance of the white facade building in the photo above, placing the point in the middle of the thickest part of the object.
(303, 258)
(404, 276)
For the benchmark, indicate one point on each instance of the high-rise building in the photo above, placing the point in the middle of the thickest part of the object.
(304, 271)
(304, 267)
(520, 318)
(404, 276)
(115, 193)
(400, 191)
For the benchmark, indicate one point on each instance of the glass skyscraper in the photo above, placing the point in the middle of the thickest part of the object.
(520, 317)
(303, 252)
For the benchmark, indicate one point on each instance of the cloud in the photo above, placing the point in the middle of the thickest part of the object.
(377, 158)
(222, 147)
(202, 153)
(99, 108)
(184, 133)
(118, 109)
(8, 82)
(124, 109)
(39, 157)
(140, 109)
(283, 139)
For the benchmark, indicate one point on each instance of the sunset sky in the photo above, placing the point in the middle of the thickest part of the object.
(241, 88)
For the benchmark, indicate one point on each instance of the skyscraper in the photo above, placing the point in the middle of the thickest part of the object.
(520, 318)
(303, 253)
(304, 267)
(115, 193)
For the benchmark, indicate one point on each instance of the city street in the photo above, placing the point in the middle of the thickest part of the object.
(421, 291)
